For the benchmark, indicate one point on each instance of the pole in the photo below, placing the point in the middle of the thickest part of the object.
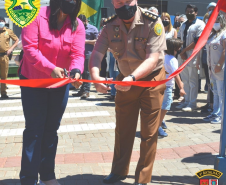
(220, 161)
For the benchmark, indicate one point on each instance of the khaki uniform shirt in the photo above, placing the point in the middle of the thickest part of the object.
(5, 36)
(146, 36)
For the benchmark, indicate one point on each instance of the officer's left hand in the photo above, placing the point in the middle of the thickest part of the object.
(9, 51)
(125, 88)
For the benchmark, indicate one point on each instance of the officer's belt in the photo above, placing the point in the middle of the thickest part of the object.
(3, 54)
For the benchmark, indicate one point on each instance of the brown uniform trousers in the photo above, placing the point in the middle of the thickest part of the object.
(148, 102)
(4, 68)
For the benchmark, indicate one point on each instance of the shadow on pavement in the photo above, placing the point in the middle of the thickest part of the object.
(200, 158)
(85, 179)
(217, 131)
(175, 180)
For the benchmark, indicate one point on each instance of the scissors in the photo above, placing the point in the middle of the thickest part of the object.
(66, 73)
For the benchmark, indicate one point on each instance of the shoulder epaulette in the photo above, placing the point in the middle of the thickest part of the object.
(109, 19)
(150, 16)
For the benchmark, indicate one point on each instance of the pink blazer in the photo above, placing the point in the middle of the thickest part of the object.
(45, 49)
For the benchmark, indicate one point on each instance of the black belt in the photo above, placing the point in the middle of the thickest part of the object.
(3, 54)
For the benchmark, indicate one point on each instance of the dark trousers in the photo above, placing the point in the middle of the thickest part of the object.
(103, 71)
(177, 90)
(86, 75)
(128, 105)
(43, 110)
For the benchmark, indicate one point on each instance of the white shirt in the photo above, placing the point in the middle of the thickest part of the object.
(170, 65)
(170, 35)
(194, 31)
(214, 48)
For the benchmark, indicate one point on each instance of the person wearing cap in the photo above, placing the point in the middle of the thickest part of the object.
(211, 6)
(5, 50)
(137, 39)
(189, 33)
(91, 36)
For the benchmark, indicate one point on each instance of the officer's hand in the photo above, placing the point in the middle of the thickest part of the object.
(125, 88)
(77, 84)
(218, 69)
(102, 88)
(9, 51)
(57, 73)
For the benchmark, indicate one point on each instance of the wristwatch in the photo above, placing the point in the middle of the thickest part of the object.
(133, 77)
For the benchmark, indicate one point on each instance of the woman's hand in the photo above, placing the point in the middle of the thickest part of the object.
(218, 69)
(77, 84)
(182, 92)
(57, 73)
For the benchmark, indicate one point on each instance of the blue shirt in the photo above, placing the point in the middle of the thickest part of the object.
(91, 34)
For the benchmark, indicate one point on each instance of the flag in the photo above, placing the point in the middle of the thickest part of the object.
(92, 10)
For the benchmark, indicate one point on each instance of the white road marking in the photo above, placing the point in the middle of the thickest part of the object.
(62, 129)
(7, 119)
(88, 104)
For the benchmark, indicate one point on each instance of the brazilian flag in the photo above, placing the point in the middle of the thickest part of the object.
(92, 10)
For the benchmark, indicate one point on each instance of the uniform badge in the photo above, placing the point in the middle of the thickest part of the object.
(215, 47)
(158, 29)
(21, 12)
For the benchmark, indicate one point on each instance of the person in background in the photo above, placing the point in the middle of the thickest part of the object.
(113, 72)
(176, 21)
(170, 32)
(54, 41)
(182, 19)
(189, 33)
(211, 6)
(104, 64)
(203, 57)
(91, 36)
(171, 65)
(154, 10)
(5, 51)
(216, 63)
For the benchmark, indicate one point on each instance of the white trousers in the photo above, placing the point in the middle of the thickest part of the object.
(190, 79)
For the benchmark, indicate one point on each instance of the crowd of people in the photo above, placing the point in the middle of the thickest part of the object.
(151, 51)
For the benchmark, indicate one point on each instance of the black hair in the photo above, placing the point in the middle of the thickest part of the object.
(192, 6)
(2, 18)
(54, 13)
(173, 45)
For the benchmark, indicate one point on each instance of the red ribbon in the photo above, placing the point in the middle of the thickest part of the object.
(53, 83)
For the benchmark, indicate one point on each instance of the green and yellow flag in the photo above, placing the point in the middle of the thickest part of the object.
(92, 10)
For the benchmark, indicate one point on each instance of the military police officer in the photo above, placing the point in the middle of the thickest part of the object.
(5, 51)
(137, 40)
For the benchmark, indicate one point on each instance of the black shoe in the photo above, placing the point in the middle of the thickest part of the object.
(85, 95)
(4, 96)
(80, 93)
(112, 97)
(112, 178)
(140, 183)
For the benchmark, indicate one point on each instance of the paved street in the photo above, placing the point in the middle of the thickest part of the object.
(86, 143)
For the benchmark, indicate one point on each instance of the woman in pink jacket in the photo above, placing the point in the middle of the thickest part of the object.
(53, 41)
